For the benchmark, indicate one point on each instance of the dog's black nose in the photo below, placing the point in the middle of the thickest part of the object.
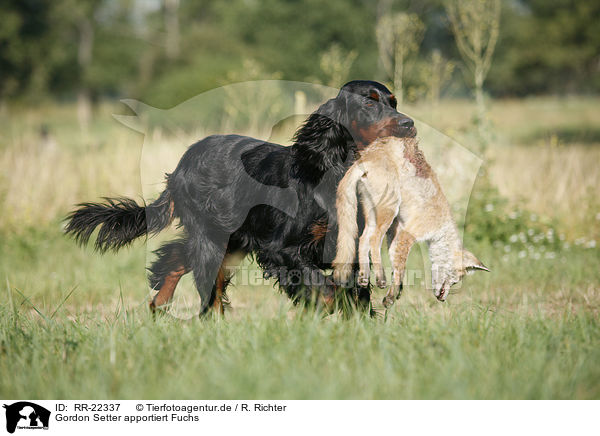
(406, 122)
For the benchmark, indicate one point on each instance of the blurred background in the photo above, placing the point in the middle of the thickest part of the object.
(515, 82)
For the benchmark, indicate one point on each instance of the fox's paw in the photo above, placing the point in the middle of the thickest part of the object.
(363, 278)
(388, 301)
(342, 273)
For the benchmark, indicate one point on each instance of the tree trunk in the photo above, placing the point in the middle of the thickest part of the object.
(479, 94)
(398, 75)
(84, 59)
(482, 127)
(172, 27)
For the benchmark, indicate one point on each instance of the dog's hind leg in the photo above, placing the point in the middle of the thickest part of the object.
(166, 271)
(219, 296)
(206, 252)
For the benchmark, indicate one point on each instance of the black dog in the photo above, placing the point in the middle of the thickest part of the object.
(236, 194)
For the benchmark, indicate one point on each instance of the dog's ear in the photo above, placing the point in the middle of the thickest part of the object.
(470, 262)
(335, 109)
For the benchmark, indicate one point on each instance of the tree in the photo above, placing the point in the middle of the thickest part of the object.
(30, 49)
(398, 36)
(475, 25)
(171, 11)
(336, 64)
(78, 18)
(439, 72)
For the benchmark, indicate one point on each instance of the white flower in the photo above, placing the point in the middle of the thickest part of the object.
(522, 237)
(550, 255)
(522, 254)
(513, 238)
(533, 217)
(489, 207)
(591, 244)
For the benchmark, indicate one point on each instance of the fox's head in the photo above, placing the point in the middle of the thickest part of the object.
(463, 262)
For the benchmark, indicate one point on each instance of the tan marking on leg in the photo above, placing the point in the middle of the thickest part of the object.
(218, 306)
(165, 293)
(318, 230)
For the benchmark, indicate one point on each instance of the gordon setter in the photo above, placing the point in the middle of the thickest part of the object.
(240, 195)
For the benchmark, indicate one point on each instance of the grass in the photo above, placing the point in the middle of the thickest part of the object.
(74, 324)
(523, 331)
(446, 352)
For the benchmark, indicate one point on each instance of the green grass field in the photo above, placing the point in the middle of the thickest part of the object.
(74, 324)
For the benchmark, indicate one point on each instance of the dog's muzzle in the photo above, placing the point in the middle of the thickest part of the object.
(405, 127)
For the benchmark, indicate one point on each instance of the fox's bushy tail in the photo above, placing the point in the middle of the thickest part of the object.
(121, 221)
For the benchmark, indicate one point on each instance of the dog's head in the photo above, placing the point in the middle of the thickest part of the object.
(367, 110)
(362, 111)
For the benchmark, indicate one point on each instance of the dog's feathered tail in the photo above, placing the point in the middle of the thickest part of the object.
(121, 221)
(346, 205)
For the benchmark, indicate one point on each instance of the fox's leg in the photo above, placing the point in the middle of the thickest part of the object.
(385, 217)
(399, 249)
(365, 239)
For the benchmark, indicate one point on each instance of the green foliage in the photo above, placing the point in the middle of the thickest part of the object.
(544, 47)
(398, 39)
(547, 46)
(513, 230)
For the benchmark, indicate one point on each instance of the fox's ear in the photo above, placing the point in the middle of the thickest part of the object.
(470, 262)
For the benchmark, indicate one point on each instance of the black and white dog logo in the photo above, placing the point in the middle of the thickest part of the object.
(26, 415)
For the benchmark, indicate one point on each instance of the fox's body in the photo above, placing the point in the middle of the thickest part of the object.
(399, 192)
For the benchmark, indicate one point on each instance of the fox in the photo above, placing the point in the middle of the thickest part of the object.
(400, 196)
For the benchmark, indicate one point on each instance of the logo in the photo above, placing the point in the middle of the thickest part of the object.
(26, 415)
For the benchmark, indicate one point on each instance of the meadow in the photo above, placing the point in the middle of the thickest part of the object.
(74, 324)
